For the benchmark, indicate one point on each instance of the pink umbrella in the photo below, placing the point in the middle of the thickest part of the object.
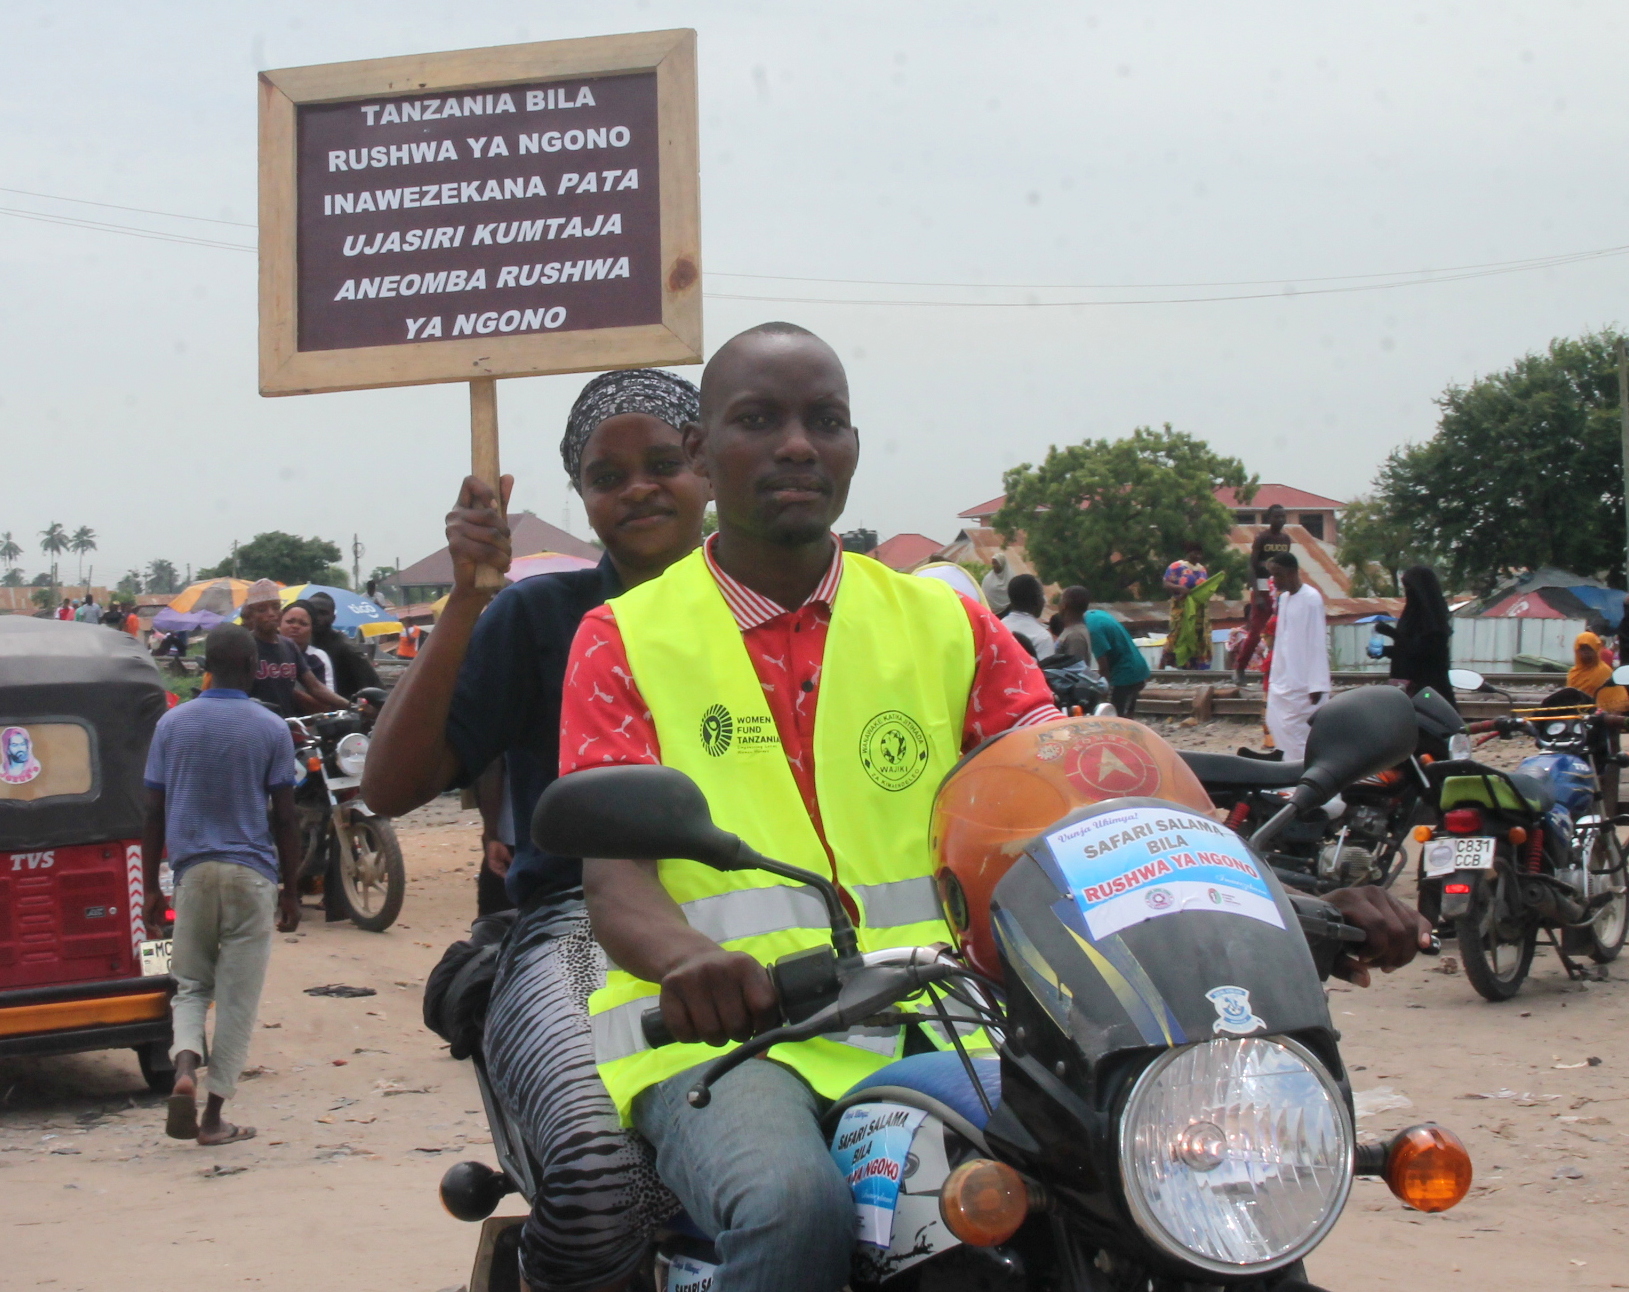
(524, 567)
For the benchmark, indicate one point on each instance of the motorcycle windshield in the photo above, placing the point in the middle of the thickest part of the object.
(1138, 922)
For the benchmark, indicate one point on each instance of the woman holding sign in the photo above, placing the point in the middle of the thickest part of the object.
(488, 684)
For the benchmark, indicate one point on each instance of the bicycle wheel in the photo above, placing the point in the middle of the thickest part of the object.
(1495, 942)
(1605, 874)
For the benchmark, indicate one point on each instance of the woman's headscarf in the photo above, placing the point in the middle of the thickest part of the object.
(1589, 672)
(1424, 609)
(651, 391)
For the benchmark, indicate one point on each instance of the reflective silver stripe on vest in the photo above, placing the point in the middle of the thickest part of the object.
(618, 1034)
(749, 912)
(905, 901)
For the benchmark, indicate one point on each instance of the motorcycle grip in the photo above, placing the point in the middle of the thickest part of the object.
(654, 1026)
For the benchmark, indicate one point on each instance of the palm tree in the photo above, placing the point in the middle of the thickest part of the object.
(10, 549)
(54, 541)
(161, 576)
(83, 540)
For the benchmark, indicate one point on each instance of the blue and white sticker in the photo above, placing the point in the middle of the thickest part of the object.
(1233, 1013)
(687, 1274)
(1144, 862)
(871, 1146)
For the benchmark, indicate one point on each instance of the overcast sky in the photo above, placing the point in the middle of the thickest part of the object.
(937, 143)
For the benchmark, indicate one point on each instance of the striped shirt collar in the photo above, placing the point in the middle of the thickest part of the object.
(753, 609)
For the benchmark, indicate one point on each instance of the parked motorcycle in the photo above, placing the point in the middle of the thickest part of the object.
(336, 826)
(1532, 851)
(1358, 837)
(1169, 1108)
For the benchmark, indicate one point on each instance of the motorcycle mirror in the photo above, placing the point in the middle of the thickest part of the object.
(1466, 679)
(1620, 675)
(1356, 734)
(1105, 710)
(640, 813)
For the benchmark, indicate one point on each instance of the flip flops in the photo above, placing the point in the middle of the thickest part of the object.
(238, 1133)
(181, 1117)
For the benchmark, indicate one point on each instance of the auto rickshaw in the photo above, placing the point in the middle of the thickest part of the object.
(78, 703)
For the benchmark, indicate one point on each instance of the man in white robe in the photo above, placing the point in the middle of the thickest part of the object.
(1300, 672)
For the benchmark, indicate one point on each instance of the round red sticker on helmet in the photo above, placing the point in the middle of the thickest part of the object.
(1112, 767)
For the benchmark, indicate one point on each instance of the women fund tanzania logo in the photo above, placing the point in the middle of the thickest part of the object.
(717, 729)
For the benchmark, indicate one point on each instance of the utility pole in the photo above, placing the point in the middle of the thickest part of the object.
(1623, 409)
(234, 558)
(356, 561)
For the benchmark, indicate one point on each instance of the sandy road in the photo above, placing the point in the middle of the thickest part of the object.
(360, 1110)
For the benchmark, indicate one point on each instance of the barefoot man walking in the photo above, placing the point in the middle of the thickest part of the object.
(212, 765)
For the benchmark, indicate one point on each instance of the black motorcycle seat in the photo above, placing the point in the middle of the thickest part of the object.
(1241, 773)
(1540, 797)
(941, 1076)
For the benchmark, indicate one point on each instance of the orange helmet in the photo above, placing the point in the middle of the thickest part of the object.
(1013, 787)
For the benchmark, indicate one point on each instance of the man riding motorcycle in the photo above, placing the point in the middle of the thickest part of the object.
(716, 668)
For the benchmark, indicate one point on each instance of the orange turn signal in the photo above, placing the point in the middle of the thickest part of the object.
(983, 1202)
(313, 764)
(1428, 1168)
(1517, 835)
(1422, 834)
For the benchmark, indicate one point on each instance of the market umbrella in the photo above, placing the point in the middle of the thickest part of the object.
(524, 567)
(218, 596)
(354, 614)
(169, 620)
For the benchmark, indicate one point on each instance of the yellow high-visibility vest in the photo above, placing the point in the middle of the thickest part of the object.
(894, 689)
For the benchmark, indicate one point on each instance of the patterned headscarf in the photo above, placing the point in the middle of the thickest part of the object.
(651, 391)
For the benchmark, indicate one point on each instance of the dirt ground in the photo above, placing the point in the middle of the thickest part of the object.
(360, 1110)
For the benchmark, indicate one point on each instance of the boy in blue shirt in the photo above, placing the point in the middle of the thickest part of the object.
(211, 767)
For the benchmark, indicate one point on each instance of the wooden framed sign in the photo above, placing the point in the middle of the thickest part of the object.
(503, 212)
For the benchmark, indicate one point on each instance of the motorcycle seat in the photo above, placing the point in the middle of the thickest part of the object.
(1241, 773)
(941, 1076)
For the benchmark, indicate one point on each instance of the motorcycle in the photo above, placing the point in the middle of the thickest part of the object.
(340, 835)
(1531, 851)
(1169, 1108)
(1358, 837)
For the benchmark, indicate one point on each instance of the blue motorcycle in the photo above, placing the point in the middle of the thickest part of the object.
(1533, 851)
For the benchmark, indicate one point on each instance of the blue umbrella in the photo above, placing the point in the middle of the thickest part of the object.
(352, 610)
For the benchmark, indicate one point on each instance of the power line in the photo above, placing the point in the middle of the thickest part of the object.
(114, 206)
(1531, 262)
(127, 230)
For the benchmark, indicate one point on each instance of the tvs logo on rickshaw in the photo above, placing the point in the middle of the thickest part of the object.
(1112, 767)
(18, 765)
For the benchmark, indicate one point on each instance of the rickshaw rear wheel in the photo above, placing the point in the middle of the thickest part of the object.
(156, 1069)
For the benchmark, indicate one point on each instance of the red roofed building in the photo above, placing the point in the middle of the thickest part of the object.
(432, 577)
(904, 552)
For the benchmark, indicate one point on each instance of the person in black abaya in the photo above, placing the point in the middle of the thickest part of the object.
(1419, 646)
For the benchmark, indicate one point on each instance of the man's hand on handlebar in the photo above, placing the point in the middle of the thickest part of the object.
(716, 996)
(1394, 934)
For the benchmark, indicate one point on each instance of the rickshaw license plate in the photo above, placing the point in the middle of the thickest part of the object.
(1444, 856)
(155, 958)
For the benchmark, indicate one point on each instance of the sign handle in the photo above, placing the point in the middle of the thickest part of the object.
(483, 452)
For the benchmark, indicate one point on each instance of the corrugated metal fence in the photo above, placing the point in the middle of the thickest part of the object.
(1487, 645)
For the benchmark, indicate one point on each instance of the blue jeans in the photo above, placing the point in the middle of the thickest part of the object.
(754, 1169)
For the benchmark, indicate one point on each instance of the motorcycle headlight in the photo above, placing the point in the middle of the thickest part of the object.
(1236, 1155)
(1459, 745)
(351, 754)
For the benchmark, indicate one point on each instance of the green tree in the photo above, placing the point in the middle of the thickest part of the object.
(43, 597)
(130, 585)
(42, 580)
(1525, 469)
(10, 550)
(383, 574)
(13, 578)
(335, 576)
(1376, 547)
(161, 577)
(276, 555)
(1110, 515)
(54, 542)
(82, 541)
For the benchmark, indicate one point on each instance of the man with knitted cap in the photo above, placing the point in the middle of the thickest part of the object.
(282, 678)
